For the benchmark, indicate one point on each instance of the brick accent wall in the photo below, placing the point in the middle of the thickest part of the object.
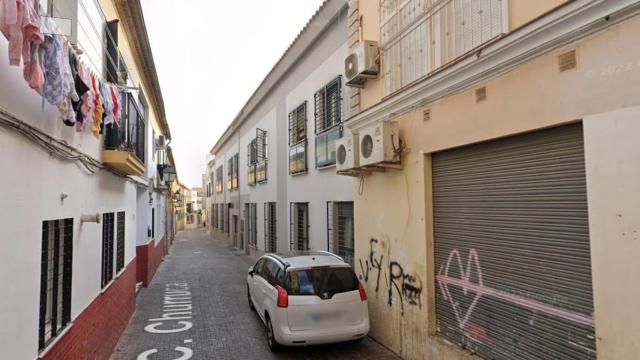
(95, 332)
(149, 257)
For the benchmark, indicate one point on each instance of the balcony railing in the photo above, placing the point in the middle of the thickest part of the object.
(127, 139)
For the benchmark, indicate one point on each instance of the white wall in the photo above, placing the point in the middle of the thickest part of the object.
(317, 186)
(612, 153)
(33, 182)
(261, 192)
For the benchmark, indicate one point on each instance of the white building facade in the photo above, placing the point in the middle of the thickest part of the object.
(274, 186)
(74, 216)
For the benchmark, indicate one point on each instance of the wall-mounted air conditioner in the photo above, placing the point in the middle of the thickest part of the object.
(362, 63)
(347, 154)
(380, 143)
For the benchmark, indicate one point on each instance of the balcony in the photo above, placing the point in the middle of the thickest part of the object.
(125, 143)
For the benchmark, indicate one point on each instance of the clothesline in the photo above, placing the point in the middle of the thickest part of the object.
(55, 69)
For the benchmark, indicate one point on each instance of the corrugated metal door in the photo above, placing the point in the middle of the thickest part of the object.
(512, 247)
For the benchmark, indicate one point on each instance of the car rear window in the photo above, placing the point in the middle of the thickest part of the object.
(321, 281)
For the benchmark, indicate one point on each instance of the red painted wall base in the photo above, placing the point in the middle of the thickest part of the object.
(95, 332)
(149, 257)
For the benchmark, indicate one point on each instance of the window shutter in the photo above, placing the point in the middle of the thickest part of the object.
(293, 127)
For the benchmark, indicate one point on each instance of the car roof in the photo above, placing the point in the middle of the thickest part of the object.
(305, 259)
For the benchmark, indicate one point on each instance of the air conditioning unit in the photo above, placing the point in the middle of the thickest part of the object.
(160, 143)
(362, 63)
(347, 154)
(379, 143)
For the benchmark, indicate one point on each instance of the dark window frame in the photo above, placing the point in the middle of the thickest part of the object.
(57, 236)
(108, 224)
(120, 241)
(298, 228)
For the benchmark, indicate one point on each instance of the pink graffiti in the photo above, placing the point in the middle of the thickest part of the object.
(464, 282)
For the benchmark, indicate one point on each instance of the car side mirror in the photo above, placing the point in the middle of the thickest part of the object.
(251, 272)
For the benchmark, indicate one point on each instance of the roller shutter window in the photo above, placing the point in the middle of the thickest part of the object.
(513, 267)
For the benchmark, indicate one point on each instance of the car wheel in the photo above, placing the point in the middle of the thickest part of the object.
(249, 299)
(271, 339)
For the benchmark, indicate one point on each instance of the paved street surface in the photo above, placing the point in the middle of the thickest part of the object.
(207, 276)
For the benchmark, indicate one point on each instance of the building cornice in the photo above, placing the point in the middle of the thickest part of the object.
(574, 21)
(130, 13)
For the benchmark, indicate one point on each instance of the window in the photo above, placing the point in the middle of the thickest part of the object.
(153, 222)
(250, 215)
(326, 147)
(219, 173)
(298, 139)
(55, 279)
(298, 158)
(261, 155)
(232, 173)
(299, 226)
(272, 272)
(130, 134)
(107, 248)
(270, 243)
(252, 161)
(227, 218)
(324, 282)
(340, 239)
(120, 242)
(328, 119)
(417, 37)
(298, 124)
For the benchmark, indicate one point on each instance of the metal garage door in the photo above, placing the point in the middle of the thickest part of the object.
(512, 247)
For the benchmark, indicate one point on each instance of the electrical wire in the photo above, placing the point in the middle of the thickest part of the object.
(57, 148)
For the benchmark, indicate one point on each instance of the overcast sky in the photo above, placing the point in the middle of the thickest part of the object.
(210, 56)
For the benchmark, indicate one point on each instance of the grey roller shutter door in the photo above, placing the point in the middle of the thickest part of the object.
(512, 247)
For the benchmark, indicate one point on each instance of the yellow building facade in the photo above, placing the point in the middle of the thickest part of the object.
(515, 209)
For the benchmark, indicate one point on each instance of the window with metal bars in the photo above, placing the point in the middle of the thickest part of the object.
(252, 161)
(250, 215)
(120, 241)
(55, 279)
(340, 233)
(261, 155)
(153, 222)
(299, 226)
(270, 240)
(219, 180)
(328, 120)
(232, 173)
(227, 216)
(298, 139)
(107, 248)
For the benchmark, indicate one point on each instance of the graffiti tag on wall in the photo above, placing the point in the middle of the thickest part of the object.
(405, 285)
(478, 290)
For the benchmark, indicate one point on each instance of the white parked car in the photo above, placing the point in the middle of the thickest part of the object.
(307, 298)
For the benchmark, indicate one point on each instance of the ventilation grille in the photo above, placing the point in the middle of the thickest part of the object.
(481, 94)
(567, 61)
(426, 115)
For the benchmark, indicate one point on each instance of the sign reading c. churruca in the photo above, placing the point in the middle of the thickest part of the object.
(177, 311)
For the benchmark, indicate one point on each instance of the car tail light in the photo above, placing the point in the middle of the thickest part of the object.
(283, 297)
(363, 294)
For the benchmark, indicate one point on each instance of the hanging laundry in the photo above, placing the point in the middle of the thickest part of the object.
(99, 109)
(65, 106)
(20, 24)
(116, 105)
(52, 61)
(87, 99)
(81, 89)
(108, 104)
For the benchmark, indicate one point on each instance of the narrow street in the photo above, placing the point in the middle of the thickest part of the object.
(223, 326)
